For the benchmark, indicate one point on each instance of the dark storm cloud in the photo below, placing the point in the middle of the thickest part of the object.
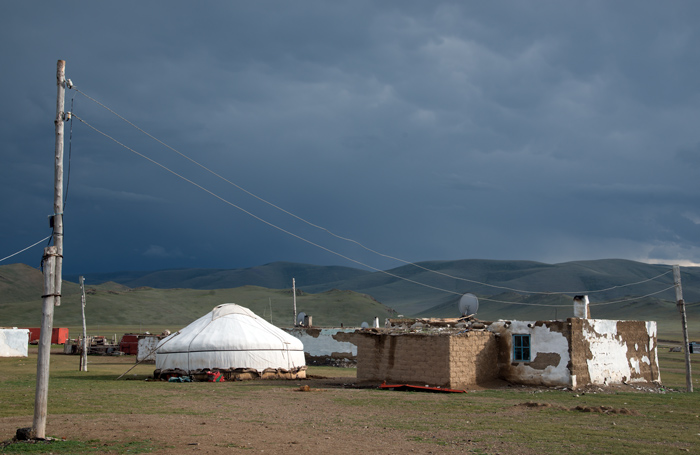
(425, 130)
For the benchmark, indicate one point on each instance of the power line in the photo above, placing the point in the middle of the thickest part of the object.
(353, 260)
(568, 305)
(25, 249)
(349, 239)
(633, 298)
(257, 217)
(70, 154)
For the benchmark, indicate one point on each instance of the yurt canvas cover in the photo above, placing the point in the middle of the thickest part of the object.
(229, 337)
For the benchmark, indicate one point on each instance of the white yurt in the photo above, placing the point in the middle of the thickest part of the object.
(230, 339)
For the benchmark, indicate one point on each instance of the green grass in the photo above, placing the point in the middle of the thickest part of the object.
(58, 446)
(659, 420)
(97, 391)
(477, 422)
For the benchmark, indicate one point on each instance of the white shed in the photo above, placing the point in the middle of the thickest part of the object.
(14, 342)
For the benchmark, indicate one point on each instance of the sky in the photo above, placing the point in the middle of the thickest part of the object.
(420, 130)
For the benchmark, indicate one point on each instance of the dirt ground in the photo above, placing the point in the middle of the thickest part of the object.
(271, 420)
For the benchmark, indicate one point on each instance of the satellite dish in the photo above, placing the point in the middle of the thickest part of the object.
(468, 304)
(364, 325)
(300, 318)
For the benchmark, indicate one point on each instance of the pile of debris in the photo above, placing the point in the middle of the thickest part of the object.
(431, 325)
(96, 345)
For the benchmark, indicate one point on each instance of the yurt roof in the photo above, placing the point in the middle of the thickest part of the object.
(229, 327)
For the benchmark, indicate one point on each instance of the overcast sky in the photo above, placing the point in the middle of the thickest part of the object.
(538, 130)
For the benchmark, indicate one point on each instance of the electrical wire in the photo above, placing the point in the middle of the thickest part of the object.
(353, 260)
(568, 305)
(257, 217)
(633, 298)
(349, 239)
(25, 249)
(70, 153)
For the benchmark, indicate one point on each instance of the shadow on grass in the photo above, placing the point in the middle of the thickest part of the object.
(60, 446)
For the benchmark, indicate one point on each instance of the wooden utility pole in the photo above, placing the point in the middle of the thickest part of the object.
(681, 309)
(53, 267)
(58, 178)
(42, 363)
(83, 347)
(294, 293)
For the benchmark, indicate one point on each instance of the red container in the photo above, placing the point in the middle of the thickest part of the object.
(59, 335)
(34, 334)
(129, 344)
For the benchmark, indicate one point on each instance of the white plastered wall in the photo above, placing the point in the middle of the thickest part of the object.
(543, 341)
(14, 342)
(610, 361)
(322, 342)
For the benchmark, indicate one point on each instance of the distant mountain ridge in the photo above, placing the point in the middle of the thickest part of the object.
(444, 281)
(277, 275)
(617, 289)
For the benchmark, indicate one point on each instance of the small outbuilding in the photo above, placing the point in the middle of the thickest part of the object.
(235, 341)
(14, 342)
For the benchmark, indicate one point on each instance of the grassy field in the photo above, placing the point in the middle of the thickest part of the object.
(504, 420)
(175, 308)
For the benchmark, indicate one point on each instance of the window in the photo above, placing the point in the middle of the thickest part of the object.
(521, 348)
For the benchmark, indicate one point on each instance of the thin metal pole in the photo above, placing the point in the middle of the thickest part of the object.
(294, 292)
(681, 309)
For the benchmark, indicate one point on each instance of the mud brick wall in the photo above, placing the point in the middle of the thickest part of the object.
(579, 354)
(473, 359)
(444, 360)
(407, 358)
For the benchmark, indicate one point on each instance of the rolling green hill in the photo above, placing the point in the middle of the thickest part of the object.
(112, 303)
(277, 275)
(628, 290)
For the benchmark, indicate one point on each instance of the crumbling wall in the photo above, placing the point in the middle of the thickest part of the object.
(569, 353)
(472, 359)
(549, 352)
(614, 352)
(324, 344)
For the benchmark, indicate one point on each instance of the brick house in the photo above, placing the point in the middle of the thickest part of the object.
(458, 353)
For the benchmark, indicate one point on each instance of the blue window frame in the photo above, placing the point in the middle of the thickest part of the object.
(521, 348)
